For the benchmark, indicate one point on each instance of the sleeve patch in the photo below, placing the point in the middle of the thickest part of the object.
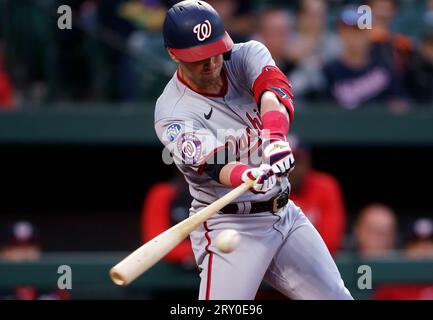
(173, 131)
(190, 147)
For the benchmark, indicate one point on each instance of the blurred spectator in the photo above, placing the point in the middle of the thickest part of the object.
(375, 231)
(404, 292)
(148, 14)
(428, 14)
(237, 18)
(166, 204)
(420, 74)
(74, 56)
(116, 65)
(33, 293)
(384, 12)
(274, 31)
(319, 195)
(7, 95)
(360, 77)
(20, 242)
(311, 48)
(418, 245)
(395, 48)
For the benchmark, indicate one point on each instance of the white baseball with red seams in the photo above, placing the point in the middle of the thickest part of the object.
(228, 240)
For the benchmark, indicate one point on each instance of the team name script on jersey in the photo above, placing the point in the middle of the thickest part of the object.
(249, 141)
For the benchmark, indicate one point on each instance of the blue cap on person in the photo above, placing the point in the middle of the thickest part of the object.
(194, 31)
(19, 233)
(349, 16)
(421, 229)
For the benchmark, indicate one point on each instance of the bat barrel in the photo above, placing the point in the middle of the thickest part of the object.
(118, 278)
(145, 257)
(153, 251)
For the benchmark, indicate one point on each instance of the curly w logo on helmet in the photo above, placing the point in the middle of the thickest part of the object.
(203, 30)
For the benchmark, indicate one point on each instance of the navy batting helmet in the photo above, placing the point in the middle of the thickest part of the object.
(194, 31)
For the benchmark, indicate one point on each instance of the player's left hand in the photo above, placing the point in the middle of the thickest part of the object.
(279, 156)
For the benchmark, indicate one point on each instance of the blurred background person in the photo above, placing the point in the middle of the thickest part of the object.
(146, 14)
(311, 47)
(359, 76)
(166, 204)
(418, 245)
(7, 94)
(237, 16)
(275, 29)
(375, 231)
(404, 292)
(419, 242)
(139, 79)
(420, 71)
(20, 242)
(395, 48)
(428, 14)
(115, 63)
(319, 195)
(74, 55)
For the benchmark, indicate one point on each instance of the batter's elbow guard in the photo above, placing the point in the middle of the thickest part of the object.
(272, 79)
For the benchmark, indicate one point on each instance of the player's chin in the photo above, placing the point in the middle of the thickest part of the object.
(211, 76)
(207, 81)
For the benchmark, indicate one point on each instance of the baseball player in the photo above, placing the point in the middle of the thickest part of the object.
(224, 118)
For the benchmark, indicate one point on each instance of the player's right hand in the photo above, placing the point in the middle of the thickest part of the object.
(279, 156)
(263, 176)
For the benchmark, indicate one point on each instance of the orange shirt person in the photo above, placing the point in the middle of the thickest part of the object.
(396, 47)
(320, 197)
(166, 204)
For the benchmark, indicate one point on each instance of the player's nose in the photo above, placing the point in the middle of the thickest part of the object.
(211, 62)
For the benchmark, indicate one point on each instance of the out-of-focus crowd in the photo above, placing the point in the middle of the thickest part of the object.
(115, 53)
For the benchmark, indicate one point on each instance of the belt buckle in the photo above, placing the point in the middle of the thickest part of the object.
(280, 201)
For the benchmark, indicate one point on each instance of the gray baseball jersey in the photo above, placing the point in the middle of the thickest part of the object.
(192, 126)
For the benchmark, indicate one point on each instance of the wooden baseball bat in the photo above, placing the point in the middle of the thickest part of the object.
(154, 250)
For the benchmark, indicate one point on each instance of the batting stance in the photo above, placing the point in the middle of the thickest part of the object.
(224, 118)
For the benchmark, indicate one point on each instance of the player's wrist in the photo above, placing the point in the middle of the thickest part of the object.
(236, 175)
(275, 126)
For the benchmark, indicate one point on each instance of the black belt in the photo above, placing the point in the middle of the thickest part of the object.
(272, 205)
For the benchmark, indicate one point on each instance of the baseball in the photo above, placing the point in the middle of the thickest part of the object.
(228, 240)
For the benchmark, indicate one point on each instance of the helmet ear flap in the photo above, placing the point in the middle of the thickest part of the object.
(227, 55)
